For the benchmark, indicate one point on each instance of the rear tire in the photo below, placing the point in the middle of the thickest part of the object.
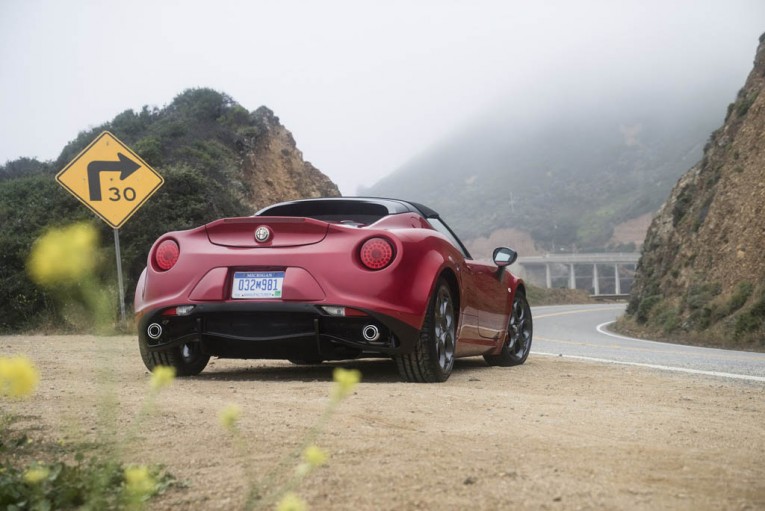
(433, 357)
(517, 344)
(187, 359)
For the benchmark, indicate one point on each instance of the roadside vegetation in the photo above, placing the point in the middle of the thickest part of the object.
(38, 472)
(194, 143)
(704, 315)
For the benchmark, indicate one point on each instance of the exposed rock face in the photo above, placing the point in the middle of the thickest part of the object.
(631, 231)
(274, 169)
(702, 272)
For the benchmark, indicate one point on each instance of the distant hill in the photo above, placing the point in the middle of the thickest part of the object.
(702, 272)
(566, 174)
(217, 159)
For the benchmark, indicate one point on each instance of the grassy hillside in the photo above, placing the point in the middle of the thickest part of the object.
(567, 175)
(200, 143)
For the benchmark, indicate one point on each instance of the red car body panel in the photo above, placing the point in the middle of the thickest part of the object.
(322, 267)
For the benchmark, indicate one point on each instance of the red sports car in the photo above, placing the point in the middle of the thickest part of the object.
(330, 279)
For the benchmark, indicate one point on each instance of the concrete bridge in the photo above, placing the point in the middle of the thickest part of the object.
(602, 274)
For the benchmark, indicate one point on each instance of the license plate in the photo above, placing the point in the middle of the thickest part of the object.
(257, 284)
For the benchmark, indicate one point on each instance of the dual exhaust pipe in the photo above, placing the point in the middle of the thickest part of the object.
(370, 332)
(154, 331)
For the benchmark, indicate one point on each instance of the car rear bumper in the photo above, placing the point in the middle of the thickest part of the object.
(276, 330)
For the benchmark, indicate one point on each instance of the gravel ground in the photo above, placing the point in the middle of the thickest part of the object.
(554, 433)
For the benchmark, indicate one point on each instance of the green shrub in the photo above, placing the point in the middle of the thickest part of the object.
(645, 307)
(88, 483)
(740, 295)
(98, 479)
(700, 318)
(753, 318)
(742, 106)
(669, 320)
(682, 203)
(150, 149)
(747, 322)
(700, 295)
(758, 309)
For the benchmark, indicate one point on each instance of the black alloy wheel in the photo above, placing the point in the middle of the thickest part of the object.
(433, 357)
(520, 328)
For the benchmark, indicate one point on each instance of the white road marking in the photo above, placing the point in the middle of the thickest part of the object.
(602, 329)
(660, 367)
(577, 311)
(699, 351)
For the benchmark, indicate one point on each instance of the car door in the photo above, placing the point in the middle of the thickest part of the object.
(482, 289)
(487, 292)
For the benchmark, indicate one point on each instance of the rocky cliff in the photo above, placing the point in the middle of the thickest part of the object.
(702, 272)
(273, 166)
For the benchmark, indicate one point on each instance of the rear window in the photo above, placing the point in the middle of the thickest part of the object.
(331, 211)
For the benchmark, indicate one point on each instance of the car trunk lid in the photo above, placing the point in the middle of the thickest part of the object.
(266, 231)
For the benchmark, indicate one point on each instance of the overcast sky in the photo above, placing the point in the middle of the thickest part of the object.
(363, 86)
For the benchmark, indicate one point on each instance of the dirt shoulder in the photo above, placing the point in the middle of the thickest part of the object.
(551, 434)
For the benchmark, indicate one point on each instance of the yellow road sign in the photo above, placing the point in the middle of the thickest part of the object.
(110, 179)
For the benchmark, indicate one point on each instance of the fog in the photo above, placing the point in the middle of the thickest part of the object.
(363, 86)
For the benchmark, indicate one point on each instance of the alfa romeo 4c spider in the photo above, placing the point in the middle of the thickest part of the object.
(330, 279)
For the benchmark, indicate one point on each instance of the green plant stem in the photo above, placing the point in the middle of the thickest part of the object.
(268, 500)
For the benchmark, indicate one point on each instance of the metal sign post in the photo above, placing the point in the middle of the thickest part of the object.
(120, 287)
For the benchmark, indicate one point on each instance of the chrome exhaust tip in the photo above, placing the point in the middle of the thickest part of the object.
(154, 331)
(371, 333)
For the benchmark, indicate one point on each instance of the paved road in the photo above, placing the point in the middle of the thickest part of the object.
(580, 331)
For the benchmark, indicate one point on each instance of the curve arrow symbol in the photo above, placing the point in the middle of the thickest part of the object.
(125, 166)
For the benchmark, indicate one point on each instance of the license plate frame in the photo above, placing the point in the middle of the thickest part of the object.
(257, 285)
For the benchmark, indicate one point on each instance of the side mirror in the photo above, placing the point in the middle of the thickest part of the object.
(504, 256)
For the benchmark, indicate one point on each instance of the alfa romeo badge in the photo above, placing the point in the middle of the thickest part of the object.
(262, 234)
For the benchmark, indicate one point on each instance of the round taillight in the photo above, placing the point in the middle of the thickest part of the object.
(376, 253)
(166, 255)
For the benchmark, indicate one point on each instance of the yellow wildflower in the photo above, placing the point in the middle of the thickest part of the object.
(138, 481)
(291, 502)
(64, 256)
(36, 475)
(345, 381)
(162, 376)
(18, 377)
(229, 416)
(314, 456)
